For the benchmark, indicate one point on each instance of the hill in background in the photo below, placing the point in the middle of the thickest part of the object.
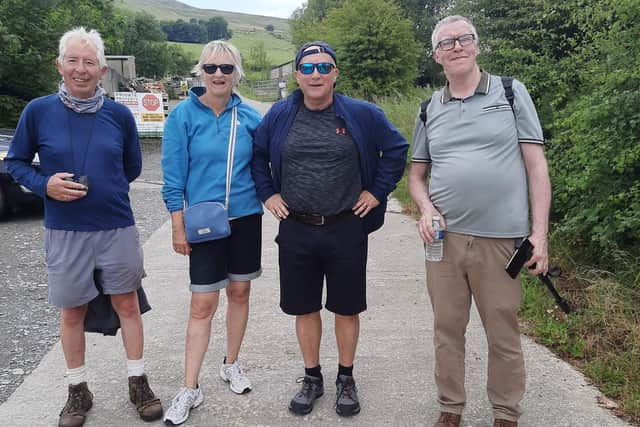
(248, 30)
(172, 10)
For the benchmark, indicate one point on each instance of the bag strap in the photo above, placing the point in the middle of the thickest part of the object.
(423, 111)
(232, 144)
(507, 84)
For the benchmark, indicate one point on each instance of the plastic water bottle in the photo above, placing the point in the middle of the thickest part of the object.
(434, 250)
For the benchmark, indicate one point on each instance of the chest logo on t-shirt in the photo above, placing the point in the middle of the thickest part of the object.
(341, 131)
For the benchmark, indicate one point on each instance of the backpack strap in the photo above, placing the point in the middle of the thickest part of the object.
(507, 84)
(423, 111)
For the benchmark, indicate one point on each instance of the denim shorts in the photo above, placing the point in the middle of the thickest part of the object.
(214, 263)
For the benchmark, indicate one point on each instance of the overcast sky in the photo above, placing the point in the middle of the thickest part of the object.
(279, 8)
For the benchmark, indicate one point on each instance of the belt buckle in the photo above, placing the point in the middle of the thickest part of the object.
(321, 219)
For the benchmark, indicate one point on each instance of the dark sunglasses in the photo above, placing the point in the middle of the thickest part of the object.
(212, 68)
(323, 68)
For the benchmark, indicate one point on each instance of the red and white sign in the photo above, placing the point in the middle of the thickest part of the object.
(151, 102)
(147, 109)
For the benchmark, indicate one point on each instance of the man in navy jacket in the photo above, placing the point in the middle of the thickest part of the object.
(324, 164)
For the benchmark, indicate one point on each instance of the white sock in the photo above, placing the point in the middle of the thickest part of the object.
(77, 375)
(135, 368)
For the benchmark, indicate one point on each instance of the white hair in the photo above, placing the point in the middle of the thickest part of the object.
(221, 48)
(450, 20)
(79, 33)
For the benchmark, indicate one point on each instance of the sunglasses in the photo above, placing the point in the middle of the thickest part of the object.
(212, 68)
(323, 68)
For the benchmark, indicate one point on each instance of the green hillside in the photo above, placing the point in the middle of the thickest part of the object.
(278, 51)
(248, 30)
(172, 10)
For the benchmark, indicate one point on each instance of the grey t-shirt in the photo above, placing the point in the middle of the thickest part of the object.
(478, 180)
(320, 164)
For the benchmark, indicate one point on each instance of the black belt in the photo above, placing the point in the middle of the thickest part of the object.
(315, 219)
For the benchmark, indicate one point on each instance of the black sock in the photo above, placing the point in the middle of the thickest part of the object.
(345, 370)
(313, 372)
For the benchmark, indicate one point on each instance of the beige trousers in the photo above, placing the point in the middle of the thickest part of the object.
(474, 267)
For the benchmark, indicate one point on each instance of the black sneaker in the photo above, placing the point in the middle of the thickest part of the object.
(347, 403)
(312, 388)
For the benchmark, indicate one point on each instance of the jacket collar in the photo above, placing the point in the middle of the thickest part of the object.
(197, 91)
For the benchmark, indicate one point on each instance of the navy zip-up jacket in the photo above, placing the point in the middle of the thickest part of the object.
(382, 149)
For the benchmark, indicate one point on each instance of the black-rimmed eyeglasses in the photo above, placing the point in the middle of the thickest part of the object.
(449, 44)
(212, 68)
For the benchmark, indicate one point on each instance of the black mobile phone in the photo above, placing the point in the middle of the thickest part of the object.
(519, 257)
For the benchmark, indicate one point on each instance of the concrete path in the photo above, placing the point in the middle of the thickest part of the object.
(393, 369)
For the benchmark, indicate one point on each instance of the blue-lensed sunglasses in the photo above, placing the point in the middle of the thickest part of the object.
(322, 67)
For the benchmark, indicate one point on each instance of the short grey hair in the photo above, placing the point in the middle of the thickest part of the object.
(79, 33)
(450, 20)
(220, 48)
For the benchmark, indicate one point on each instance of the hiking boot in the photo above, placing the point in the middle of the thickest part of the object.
(232, 373)
(78, 404)
(148, 405)
(347, 403)
(498, 422)
(312, 388)
(447, 419)
(181, 405)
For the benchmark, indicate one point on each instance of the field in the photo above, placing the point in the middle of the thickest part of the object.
(248, 30)
(278, 51)
(171, 10)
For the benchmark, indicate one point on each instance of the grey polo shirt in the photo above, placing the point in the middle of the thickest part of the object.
(478, 180)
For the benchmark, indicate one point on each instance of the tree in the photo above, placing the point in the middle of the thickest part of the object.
(376, 49)
(306, 18)
(145, 40)
(595, 154)
(217, 29)
(29, 33)
(258, 59)
(425, 14)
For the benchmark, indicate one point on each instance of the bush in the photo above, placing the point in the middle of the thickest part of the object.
(10, 109)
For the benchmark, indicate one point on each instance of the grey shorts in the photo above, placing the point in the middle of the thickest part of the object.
(77, 261)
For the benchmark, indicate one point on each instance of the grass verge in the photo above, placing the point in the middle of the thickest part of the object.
(402, 110)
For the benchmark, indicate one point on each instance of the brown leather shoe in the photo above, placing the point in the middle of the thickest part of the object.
(78, 404)
(447, 419)
(148, 405)
(498, 422)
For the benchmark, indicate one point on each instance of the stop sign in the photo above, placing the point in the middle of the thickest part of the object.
(150, 102)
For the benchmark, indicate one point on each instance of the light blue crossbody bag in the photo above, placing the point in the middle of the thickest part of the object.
(210, 220)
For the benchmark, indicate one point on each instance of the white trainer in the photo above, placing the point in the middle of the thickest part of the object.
(238, 382)
(181, 405)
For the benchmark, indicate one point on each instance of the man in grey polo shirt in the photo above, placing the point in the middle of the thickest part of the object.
(485, 163)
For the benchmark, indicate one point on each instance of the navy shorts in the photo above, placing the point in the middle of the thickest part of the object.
(236, 258)
(309, 254)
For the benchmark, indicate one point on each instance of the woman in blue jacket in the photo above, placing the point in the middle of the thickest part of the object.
(194, 163)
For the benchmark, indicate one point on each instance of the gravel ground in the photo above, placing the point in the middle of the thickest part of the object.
(28, 323)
